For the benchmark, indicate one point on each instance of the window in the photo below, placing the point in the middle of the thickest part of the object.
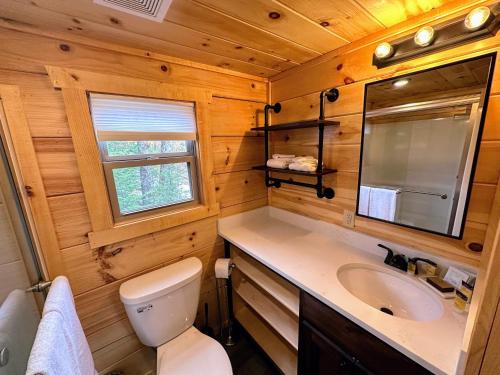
(148, 150)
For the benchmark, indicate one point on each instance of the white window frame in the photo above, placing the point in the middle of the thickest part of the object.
(110, 163)
(109, 166)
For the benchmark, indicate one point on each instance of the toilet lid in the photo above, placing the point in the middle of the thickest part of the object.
(193, 353)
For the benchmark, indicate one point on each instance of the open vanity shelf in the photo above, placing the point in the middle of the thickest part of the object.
(267, 307)
(319, 123)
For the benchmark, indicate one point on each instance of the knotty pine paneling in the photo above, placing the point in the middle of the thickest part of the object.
(96, 275)
(91, 268)
(238, 187)
(235, 117)
(488, 167)
(71, 219)
(233, 154)
(58, 166)
(30, 53)
(491, 131)
(43, 106)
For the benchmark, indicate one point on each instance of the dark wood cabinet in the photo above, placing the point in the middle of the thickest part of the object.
(329, 343)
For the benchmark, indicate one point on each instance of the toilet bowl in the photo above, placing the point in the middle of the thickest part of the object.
(161, 306)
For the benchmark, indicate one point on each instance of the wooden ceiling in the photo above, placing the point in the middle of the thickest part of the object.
(259, 37)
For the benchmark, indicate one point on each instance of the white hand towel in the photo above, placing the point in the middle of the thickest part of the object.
(364, 199)
(278, 163)
(304, 167)
(19, 318)
(53, 352)
(382, 203)
(60, 301)
(283, 156)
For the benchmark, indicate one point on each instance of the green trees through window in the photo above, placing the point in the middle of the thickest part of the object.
(160, 183)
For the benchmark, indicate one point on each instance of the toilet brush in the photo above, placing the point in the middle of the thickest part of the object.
(229, 341)
(206, 329)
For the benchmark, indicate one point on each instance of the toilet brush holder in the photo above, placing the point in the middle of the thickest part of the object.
(225, 318)
(223, 269)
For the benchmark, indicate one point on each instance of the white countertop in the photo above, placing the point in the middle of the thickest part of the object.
(309, 253)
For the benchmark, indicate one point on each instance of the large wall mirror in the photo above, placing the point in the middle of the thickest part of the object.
(420, 140)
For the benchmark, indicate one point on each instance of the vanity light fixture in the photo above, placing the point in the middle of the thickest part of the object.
(478, 18)
(401, 82)
(384, 50)
(425, 36)
(480, 23)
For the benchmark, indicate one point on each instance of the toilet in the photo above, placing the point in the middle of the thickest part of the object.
(161, 305)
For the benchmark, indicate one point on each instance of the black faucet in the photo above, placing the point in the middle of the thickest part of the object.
(398, 261)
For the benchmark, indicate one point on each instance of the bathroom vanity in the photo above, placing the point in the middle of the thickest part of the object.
(295, 291)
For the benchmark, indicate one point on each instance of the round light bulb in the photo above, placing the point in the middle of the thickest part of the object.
(424, 36)
(477, 18)
(401, 82)
(384, 51)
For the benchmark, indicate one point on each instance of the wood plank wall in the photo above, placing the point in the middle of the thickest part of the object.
(298, 91)
(95, 276)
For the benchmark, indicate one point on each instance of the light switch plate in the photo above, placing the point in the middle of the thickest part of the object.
(348, 218)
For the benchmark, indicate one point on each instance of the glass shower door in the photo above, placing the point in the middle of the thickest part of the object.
(19, 269)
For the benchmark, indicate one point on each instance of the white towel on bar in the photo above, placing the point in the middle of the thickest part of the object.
(278, 163)
(61, 321)
(364, 200)
(383, 203)
(19, 318)
(53, 352)
(283, 156)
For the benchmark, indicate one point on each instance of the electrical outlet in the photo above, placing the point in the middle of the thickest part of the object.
(349, 218)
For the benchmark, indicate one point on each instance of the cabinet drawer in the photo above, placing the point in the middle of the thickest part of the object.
(374, 354)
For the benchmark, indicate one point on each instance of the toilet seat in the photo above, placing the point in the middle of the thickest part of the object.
(192, 353)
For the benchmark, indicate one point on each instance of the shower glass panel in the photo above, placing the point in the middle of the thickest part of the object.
(420, 140)
(19, 269)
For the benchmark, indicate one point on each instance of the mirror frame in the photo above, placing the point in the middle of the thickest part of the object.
(489, 81)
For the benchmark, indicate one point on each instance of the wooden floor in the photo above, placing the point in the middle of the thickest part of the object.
(247, 359)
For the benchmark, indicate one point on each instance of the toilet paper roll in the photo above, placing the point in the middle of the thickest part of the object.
(223, 268)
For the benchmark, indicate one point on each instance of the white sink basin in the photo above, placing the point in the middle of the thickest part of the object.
(390, 292)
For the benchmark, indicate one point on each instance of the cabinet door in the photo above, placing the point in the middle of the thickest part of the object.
(374, 354)
(320, 356)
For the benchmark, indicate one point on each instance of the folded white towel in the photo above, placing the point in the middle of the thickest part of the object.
(77, 352)
(304, 167)
(283, 156)
(278, 163)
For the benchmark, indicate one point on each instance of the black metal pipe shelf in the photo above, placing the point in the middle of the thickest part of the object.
(291, 171)
(320, 123)
(298, 125)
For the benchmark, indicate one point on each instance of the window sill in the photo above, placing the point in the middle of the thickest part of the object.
(132, 229)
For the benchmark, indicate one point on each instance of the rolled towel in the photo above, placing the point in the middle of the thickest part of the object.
(283, 156)
(304, 167)
(304, 159)
(278, 163)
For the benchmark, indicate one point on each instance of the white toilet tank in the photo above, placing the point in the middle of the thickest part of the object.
(162, 304)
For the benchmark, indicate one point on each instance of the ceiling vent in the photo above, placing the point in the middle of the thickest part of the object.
(154, 10)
